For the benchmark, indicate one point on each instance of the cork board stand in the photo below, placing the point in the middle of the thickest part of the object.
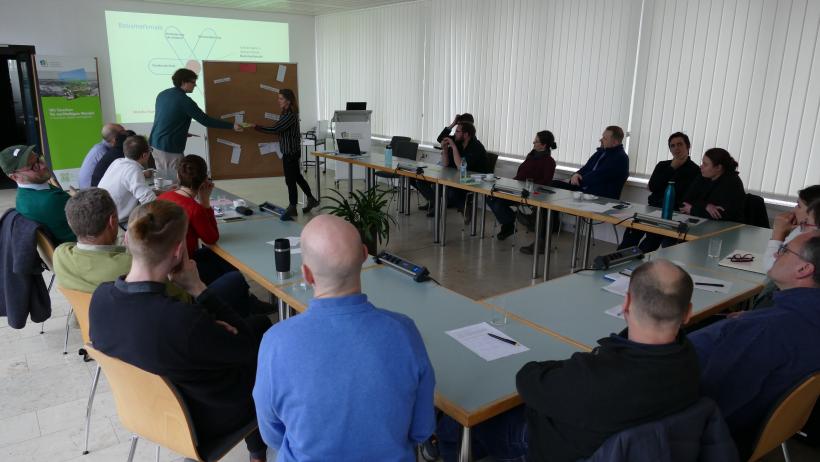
(248, 91)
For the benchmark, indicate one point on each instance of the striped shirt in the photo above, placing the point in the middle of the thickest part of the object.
(290, 137)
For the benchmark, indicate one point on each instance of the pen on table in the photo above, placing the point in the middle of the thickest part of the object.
(709, 284)
(624, 273)
(511, 342)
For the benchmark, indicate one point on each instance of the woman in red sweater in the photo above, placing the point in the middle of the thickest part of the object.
(539, 166)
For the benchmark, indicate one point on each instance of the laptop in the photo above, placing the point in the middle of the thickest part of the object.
(406, 150)
(349, 147)
(356, 106)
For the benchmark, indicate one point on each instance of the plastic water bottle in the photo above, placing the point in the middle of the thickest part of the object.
(668, 201)
(463, 169)
(388, 157)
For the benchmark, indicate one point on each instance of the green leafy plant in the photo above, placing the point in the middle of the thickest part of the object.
(366, 210)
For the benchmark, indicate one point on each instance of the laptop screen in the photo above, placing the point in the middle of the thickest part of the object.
(356, 106)
(348, 146)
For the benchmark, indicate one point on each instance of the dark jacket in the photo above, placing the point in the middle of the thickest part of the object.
(683, 177)
(574, 405)
(748, 363)
(539, 165)
(173, 112)
(213, 369)
(727, 192)
(474, 153)
(109, 157)
(606, 172)
(23, 291)
(696, 434)
(290, 136)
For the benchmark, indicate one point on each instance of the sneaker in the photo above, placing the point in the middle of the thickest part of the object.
(429, 449)
(311, 203)
(425, 207)
(528, 249)
(506, 231)
(291, 210)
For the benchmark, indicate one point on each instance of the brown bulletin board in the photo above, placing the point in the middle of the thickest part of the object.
(231, 87)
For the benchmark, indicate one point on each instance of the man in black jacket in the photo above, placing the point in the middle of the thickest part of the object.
(682, 171)
(204, 348)
(648, 371)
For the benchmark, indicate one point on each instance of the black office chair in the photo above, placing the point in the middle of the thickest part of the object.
(754, 211)
(393, 145)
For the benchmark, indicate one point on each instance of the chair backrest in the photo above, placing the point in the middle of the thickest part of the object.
(789, 416)
(492, 159)
(80, 302)
(755, 211)
(148, 405)
(46, 249)
(396, 140)
(406, 149)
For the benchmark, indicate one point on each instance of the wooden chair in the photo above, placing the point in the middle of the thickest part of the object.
(788, 417)
(45, 248)
(80, 303)
(150, 406)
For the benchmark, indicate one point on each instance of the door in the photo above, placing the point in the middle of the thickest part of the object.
(18, 101)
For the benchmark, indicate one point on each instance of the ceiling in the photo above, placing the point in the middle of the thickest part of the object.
(305, 7)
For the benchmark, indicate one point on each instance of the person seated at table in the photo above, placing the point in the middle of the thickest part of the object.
(447, 131)
(116, 152)
(718, 193)
(750, 361)
(109, 138)
(648, 371)
(125, 178)
(788, 225)
(194, 196)
(36, 199)
(606, 172)
(680, 170)
(462, 146)
(344, 380)
(539, 166)
(204, 347)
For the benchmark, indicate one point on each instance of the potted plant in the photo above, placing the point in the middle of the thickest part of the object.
(366, 211)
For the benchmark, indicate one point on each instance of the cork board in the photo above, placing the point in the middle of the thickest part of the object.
(250, 91)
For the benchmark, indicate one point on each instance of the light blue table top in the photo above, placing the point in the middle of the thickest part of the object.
(462, 377)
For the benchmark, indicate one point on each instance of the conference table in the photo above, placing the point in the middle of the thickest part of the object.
(586, 211)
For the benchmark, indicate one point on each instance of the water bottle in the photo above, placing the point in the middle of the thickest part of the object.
(463, 169)
(388, 157)
(668, 201)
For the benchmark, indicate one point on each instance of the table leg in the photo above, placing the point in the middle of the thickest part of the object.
(437, 215)
(368, 178)
(483, 213)
(443, 215)
(587, 244)
(400, 194)
(407, 195)
(281, 305)
(548, 246)
(536, 245)
(466, 454)
(473, 214)
(350, 179)
(575, 240)
(318, 180)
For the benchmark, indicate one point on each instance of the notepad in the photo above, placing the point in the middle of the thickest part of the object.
(475, 338)
(755, 266)
(704, 280)
(618, 287)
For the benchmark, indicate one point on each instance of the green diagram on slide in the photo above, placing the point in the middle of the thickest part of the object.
(145, 49)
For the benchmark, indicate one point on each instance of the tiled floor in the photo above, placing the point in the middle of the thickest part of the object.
(43, 393)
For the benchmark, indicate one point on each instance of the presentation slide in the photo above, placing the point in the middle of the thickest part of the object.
(145, 50)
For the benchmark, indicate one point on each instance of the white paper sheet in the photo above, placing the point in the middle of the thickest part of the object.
(235, 153)
(295, 244)
(280, 74)
(703, 279)
(619, 287)
(593, 207)
(267, 148)
(268, 88)
(475, 338)
(228, 143)
(223, 80)
(755, 266)
(238, 117)
(272, 116)
(616, 311)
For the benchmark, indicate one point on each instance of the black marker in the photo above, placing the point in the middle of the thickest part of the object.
(710, 284)
(511, 342)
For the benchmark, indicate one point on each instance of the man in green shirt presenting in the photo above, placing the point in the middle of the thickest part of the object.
(37, 200)
(173, 112)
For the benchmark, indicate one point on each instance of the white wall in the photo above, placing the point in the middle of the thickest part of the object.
(77, 28)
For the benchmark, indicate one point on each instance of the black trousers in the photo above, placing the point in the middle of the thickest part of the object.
(293, 176)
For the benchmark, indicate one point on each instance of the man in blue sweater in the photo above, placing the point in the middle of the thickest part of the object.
(345, 380)
(173, 112)
(605, 173)
(748, 363)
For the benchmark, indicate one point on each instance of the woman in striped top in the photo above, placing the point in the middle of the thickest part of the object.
(290, 142)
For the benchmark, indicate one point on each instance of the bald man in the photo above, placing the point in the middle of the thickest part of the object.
(345, 380)
(109, 136)
(648, 371)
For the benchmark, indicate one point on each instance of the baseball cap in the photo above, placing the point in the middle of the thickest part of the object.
(14, 158)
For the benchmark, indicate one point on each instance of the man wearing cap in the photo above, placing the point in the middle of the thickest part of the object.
(36, 199)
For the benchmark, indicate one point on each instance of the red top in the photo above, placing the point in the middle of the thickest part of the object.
(539, 166)
(201, 220)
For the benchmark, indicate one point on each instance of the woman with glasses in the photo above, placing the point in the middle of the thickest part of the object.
(791, 224)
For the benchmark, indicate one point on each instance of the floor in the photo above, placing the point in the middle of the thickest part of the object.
(43, 393)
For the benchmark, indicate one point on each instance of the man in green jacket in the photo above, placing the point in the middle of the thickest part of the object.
(173, 112)
(37, 200)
